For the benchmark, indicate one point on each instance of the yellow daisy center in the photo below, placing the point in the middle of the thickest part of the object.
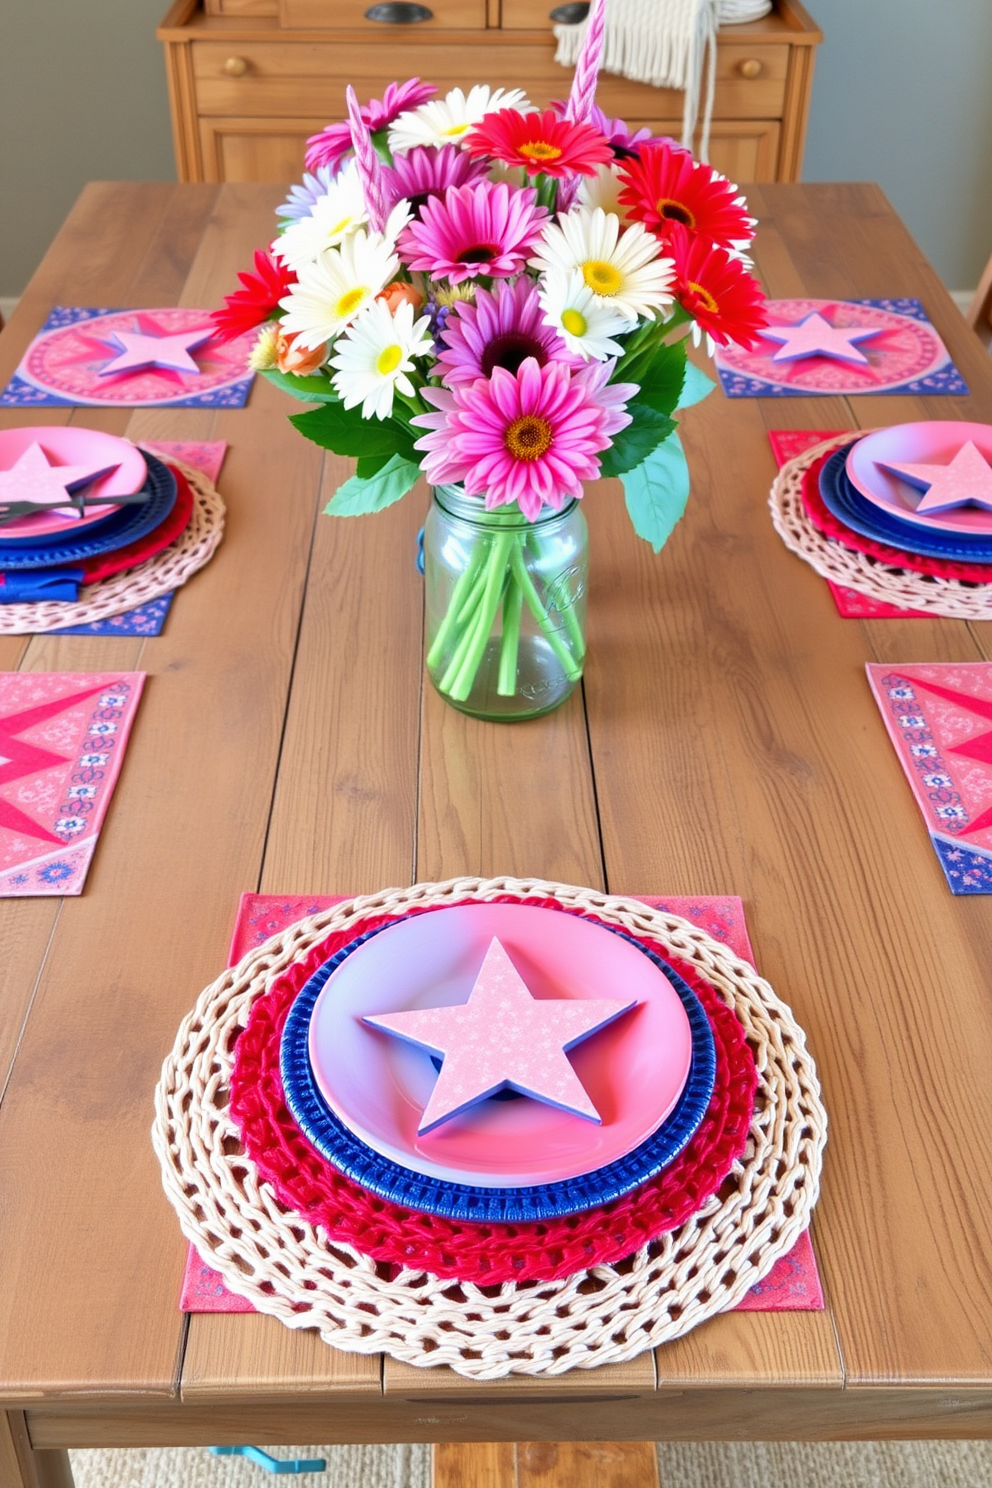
(528, 437)
(574, 322)
(674, 211)
(709, 303)
(350, 301)
(341, 227)
(456, 131)
(540, 150)
(601, 277)
(388, 360)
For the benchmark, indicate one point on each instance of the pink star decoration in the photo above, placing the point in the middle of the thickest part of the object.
(503, 1038)
(966, 481)
(39, 483)
(815, 336)
(139, 352)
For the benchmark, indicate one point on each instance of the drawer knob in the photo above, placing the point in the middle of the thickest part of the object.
(750, 67)
(570, 14)
(398, 13)
(235, 66)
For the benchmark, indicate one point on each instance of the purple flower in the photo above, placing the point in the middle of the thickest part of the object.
(302, 198)
(332, 144)
(500, 329)
(426, 171)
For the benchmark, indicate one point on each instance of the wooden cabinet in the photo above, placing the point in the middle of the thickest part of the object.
(251, 80)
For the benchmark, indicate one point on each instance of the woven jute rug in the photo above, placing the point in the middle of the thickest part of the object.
(952, 598)
(681, 1465)
(158, 575)
(609, 1314)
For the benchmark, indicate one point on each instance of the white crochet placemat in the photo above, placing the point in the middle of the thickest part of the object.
(159, 574)
(954, 599)
(609, 1314)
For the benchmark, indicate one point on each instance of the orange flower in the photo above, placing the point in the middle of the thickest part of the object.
(398, 293)
(292, 358)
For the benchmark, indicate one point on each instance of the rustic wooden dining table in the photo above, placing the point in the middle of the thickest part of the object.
(724, 741)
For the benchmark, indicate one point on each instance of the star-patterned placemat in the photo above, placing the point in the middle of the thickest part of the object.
(794, 1283)
(90, 357)
(939, 718)
(840, 348)
(62, 742)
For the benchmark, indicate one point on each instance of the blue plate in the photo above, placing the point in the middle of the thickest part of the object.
(123, 527)
(458, 1201)
(848, 505)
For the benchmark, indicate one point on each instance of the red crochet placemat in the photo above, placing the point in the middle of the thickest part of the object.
(486, 1254)
(830, 526)
(104, 564)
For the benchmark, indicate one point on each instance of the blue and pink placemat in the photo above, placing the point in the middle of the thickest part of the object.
(62, 741)
(793, 1285)
(894, 349)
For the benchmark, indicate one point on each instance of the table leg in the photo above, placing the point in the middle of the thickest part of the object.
(21, 1466)
(545, 1465)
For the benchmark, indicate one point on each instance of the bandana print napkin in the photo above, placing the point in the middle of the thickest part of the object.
(793, 1284)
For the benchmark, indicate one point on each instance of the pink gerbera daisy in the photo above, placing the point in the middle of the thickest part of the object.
(332, 144)
(500, 329)
(540, 142)
(472, 230)
(426, 171)
(532, 437)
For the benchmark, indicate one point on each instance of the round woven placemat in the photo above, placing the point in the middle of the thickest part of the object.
(158, 575)
(608, 1314)
(956, 599)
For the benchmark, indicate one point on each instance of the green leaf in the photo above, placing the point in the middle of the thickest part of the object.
(308, 389)
(661, 380)
(696, 387)
(656, 492)
(632, 445)
(370, 465)
(357, 496)
(344, 431)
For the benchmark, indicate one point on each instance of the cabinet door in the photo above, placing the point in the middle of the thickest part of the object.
(255, 149)
(743, 149)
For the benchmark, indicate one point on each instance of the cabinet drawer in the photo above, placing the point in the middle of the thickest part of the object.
(255, 149)
(455, 15)
(241, 7)
(743, 150)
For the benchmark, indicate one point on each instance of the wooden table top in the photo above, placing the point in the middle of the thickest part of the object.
(725, 742)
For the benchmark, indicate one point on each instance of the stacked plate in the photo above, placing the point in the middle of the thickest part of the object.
(890, 488)
(132, 507)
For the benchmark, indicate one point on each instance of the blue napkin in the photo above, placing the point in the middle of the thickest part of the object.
(40, 584)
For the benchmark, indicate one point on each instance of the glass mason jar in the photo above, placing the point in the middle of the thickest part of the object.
(506, 605)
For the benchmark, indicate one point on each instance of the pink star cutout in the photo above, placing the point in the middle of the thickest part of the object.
(139, 352)
(815, 336)
(966, 481)
(35, 481)
(503, 1038)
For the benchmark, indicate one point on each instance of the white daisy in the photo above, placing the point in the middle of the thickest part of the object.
(602, 190)
(333, 290)
(446, 121)
(375, 354)
(624, 269)
(332, 217)
(583, 320)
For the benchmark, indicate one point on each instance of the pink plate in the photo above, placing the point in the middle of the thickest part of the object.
(72, 446)
(634, 1069)
(932, 443)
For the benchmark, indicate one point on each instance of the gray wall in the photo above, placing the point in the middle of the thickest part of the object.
(903, 95)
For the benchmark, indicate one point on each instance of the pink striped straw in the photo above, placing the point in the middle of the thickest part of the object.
(369, 164)
(583, 92)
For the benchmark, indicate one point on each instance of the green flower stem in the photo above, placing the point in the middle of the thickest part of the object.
(453, 613)
(473, 599)
(460, 674)
(510, 644)
(573, 669)
(568, 615)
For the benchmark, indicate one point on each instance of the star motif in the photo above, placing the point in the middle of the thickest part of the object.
(40, 484)
(139, 352)
(503, 1038)
(815, 336)
(966, 481)
(18, 758)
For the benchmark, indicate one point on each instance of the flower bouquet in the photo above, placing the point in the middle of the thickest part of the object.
(497, 297)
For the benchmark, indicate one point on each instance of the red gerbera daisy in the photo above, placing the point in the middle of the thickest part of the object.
(664, 186)
(716, 289)
(539, 142)
(257, 301)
